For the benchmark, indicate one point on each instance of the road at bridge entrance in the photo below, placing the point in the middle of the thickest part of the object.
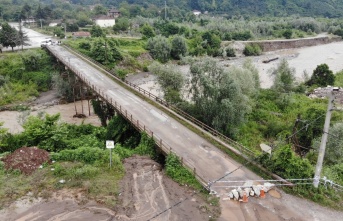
(210, 163)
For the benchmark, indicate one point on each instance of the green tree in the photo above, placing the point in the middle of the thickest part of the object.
(97, 31)
(211, 42)
(122, 24)
(26, 11)
(22, 38)
(32, 60)
(159, 48)
(290, 166)
(218, 99)
(322, 76)
(179, 47)
(247, 78)
(170, 79)
(8, 36)
(147, 31)
(287, 34)
(334, 145)
(104, 51)
(99, 10)
(284, 78)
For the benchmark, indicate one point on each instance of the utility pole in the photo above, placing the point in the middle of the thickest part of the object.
(165, 10)
(21, 35)
(323, 141)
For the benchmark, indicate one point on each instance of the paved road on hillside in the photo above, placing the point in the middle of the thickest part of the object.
(210, 163)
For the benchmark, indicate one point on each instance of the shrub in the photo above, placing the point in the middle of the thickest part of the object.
(230, 52)
(178, 173)
(252, 50)
(159, 48)
(288, 165)
(322, 76)
(179, 47)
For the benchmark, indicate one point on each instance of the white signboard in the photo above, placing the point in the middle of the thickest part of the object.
(109, 144)
(266, 148)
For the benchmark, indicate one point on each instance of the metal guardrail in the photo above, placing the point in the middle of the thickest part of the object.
(242, 149)
(135, 122)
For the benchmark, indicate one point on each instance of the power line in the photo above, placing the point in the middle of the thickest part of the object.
(174, 205)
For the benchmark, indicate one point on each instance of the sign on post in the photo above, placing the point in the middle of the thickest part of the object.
(110, 145)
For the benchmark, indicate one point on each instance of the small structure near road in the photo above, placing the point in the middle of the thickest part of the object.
(81, 34)
(104, 21)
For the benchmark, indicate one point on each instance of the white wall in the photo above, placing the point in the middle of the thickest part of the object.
(105, 22)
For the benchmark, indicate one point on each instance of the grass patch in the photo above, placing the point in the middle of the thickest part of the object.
(97, 182)
(180, 174)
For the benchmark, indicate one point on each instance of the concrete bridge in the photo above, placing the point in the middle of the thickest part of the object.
(207, 162)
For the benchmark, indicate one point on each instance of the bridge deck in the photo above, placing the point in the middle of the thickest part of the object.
(210, 163)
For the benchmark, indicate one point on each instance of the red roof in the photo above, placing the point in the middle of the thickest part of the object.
(81, 34)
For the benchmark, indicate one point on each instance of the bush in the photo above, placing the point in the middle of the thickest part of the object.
(252, 50)
(179, 47)
(146, 146)
(287, 34)
(178, 173)
(85, 45)
(322, 76)
(230, 52)
(288, 165)
(159, 48)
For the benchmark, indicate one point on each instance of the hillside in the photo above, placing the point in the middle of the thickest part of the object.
(326, 8)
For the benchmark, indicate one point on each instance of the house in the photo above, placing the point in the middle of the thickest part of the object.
(30, 21)
(196, 12)
(54, 23)
(104, 21)
(114, 13)
(81, 34)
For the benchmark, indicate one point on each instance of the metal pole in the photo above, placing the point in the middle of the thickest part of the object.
(165, 10)
(323, 141)
(110, 157)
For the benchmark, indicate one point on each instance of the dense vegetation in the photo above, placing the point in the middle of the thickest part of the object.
(24, 75)
(80, 155)
(176, 8)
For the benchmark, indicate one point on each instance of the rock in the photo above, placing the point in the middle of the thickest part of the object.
(235, 194)
(230, 195)
(252, 193)
(268, 186)
(240, 192)
(247, 190)
(256, 190)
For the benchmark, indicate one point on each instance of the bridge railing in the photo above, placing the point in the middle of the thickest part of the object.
(135, 122)
(241, 148)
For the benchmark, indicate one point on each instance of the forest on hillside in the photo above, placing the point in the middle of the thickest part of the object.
(12, 9)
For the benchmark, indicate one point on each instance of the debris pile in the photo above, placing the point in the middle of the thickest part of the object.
(322, 92)
(248, 189)
(26, 159)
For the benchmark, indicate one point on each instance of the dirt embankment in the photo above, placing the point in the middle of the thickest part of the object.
(146, 193)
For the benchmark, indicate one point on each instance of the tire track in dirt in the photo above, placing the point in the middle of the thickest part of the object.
(147, 194)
